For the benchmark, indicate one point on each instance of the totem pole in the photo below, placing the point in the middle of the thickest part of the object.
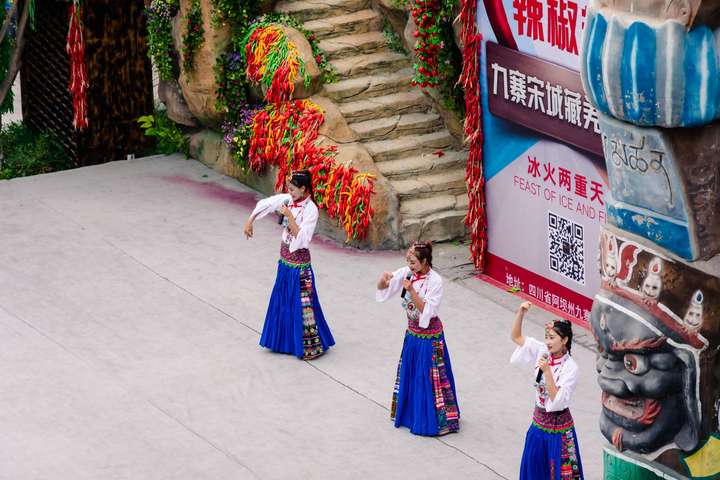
(652, 70)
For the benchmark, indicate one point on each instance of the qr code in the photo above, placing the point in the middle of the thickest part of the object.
(566, 248)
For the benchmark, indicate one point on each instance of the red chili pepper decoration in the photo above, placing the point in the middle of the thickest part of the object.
(75, 48)
(284, 135)
(476, 218)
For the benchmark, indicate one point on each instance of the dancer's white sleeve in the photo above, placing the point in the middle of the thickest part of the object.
(395, 285)
(270, 204)
(529, 352)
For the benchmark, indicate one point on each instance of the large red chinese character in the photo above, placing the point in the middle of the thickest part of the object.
(581, 185)
(562, 21)
(572, 15)
(549, 173)
(520, 17)
(564, 179)
(533, 167)
(534, 20)
(596, 190)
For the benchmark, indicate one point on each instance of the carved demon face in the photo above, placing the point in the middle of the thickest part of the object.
(647, 376)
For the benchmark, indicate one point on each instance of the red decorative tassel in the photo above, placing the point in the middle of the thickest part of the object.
(476, 218)
(78, 70)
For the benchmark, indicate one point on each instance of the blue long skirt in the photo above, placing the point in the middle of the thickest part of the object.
(551, 448)
(293, 300)
(424, 398)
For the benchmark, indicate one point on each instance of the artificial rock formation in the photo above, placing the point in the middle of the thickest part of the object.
(199, 86)
(651, 69)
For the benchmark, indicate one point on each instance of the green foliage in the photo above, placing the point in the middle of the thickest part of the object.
(393, 40)
(449, 69)
(238, 139)
(29, 152)
(169, 137)
(194, 35)
(160, 43)
(233, 88)
(6, 48)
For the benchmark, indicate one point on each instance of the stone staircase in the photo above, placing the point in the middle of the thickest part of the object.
(393, 120)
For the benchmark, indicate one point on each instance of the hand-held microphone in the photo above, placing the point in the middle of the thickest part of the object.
(407, 277)
(540, 372)
(281, 217)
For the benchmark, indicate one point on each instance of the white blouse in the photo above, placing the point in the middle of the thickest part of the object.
(305, 213)
(429, 289)
(564, 371)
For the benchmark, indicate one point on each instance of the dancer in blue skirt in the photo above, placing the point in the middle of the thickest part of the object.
(424, 398)
(294, 322)
(551, 447)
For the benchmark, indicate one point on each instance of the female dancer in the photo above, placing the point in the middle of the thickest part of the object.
(294, 322)
(424, 398)
(551, 446)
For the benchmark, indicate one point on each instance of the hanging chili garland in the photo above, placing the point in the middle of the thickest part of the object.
(476, 218)
(426, 14)
(78, 70)
(284, 134)
(273, 60)
(194, 35)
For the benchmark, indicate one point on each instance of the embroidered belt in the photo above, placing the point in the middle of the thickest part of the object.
(434, 330)
(552, 422)
(297, 259)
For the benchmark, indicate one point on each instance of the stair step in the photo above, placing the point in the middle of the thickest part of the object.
(409, 145)
(371, 63)
(359, 22)
(350, 45)
(439, 226)
(370, 86)
(411, 166)
(449, 181)
(305, 10)
(421, 207)
(397, 125)
(384, 106)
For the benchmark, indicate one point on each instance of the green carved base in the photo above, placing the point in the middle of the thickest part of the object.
(621, 467)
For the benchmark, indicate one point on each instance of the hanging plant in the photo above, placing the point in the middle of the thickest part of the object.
(238, 135)
(476, 218)
(194, 35)
(75, 47)
(273, 61)
(426, 14)
(236, 14)
(160, 43)
(6, 50)
(284, 135)
(233, 87)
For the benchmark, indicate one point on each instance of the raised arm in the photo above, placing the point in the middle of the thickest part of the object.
(516, 333)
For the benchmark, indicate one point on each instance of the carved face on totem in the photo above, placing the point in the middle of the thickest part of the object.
(608, 256)
(652, 285)
(694, 315)
(648, 374)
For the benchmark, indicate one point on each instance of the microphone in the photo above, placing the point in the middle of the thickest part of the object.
(281, 218)
(540, 372)
(407, 277)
